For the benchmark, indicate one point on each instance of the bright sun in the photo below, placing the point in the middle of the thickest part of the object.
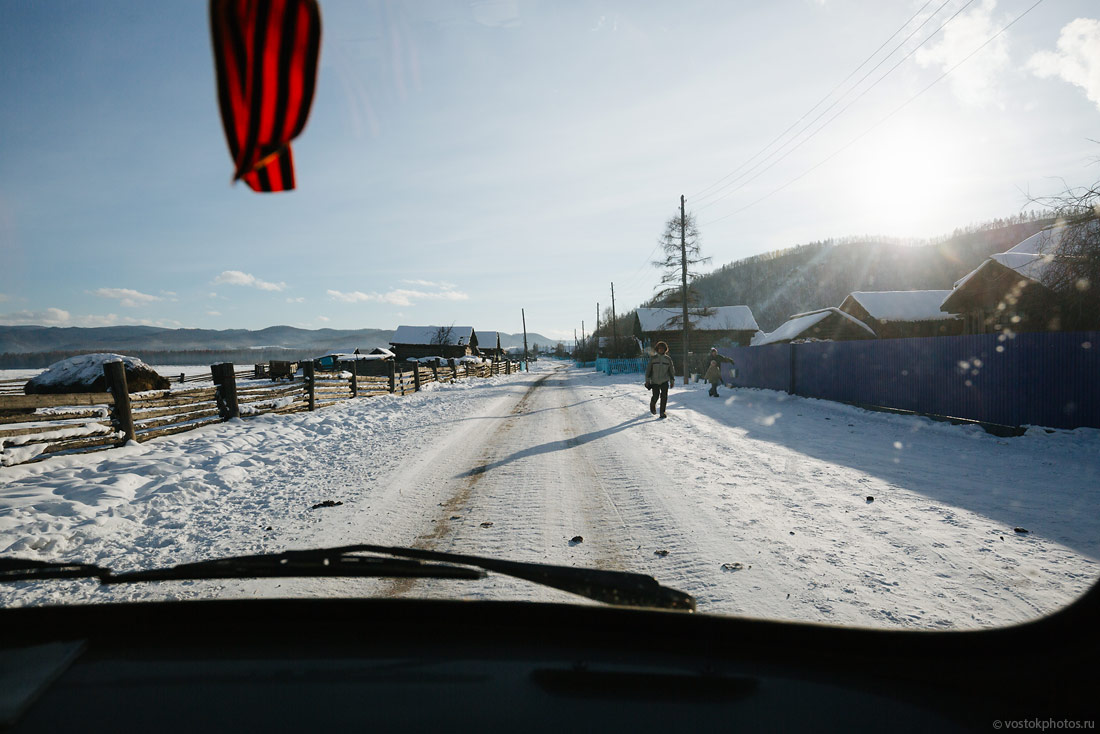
(902, 180)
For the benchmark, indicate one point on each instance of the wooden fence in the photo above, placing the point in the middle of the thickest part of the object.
(36, 427)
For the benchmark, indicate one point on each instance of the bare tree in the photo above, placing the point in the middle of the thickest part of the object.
(443, 335)
(1073, 268)
(680, 244)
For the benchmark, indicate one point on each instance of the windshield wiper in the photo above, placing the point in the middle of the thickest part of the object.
(611, 587)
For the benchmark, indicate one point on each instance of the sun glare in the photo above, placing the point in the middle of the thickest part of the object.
(902, 182)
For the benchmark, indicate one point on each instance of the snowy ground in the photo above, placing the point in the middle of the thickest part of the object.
(761, 500)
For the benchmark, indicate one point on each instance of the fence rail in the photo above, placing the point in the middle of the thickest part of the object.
(35, 427)
(621, 366)
(1041, 379)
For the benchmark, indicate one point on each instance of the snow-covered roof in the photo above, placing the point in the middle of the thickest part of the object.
(460, 335)
(488, 339)
(903, 305)
(799, 322)
(720, 318)
(1030, 258)
(83, 369)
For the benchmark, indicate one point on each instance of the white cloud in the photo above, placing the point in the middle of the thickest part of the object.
(49, 317)
(1077, 59)
(403, 296)
(299, 299)
(4, 297)
(236, 277)
(323, 319)
(977, 81)
(126, 296)
(61, 317)
(213, 313)
(211, 294)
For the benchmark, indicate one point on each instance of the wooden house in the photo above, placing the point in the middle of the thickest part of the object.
(488, 343)
(1006, 291)
(717, 326)
(825, 324)
(902, 314)
(448, 342)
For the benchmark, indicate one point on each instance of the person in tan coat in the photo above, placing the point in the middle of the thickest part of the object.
(660, 373)
(713, 376)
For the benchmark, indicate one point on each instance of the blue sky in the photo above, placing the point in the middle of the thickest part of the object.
(466, 160)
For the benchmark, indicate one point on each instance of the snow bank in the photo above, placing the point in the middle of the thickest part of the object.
(83, 369)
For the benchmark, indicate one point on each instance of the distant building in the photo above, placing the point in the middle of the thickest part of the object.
(825, 324)
(717, 326)
(1006, 291)
(488, 343)
(449, 342)
(902, 314)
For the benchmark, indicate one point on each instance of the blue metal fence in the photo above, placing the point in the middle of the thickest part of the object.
(1045, 379)
(613, 366)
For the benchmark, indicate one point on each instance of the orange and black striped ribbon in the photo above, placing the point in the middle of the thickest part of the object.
(265, 56)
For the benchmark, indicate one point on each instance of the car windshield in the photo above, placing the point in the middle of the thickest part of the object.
(792, 306)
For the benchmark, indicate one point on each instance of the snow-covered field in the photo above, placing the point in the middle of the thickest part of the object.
(757, 503)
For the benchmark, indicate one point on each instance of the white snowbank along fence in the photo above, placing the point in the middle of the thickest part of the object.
(35, 427)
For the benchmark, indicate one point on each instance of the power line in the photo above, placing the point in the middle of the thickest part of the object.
(838, 114)
(820, 101)
(881, 122)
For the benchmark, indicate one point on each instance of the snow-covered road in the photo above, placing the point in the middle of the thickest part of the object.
(756, 503)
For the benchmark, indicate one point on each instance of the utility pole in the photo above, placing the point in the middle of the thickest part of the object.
(597, 332)
(614, 325)
(684, 283)
(526, 362)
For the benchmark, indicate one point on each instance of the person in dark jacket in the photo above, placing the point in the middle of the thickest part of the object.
(660, 373)
(716, 357)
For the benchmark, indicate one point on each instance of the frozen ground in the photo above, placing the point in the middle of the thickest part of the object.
(762, 501)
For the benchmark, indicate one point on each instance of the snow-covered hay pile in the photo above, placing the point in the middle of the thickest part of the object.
(84, 373)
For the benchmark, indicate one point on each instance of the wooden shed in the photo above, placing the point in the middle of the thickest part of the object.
(488, 343)
(716, 326)
(826, 324)
(449, 342)
(1006, 291)
(903, 314)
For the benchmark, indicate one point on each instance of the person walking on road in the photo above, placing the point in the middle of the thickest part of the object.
(713, 376)
(716, 357)
(660, 373)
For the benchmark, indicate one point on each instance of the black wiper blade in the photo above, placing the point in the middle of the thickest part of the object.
(620, 588)
(27, 569)
(611, 587)
(323, 562)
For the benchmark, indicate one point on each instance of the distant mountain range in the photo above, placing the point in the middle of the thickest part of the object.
(39, 339)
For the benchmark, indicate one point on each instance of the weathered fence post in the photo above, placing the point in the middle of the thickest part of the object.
(435, 370)
(508, 367)
(182, 375)
(355, 379)
(393, 376)
(226, 381)
(114, 373)
(257, 371)
(416, 377)
(454, 369)
(311, 392)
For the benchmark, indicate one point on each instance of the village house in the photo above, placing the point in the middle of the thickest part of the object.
(824, 324)
(717, 326)
(1006, 292)
(448, 342)
(903, 314)
(488, 343)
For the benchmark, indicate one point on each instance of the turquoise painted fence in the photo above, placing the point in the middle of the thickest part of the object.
(621, 366)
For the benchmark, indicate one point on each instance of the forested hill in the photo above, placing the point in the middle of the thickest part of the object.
(803, 278)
